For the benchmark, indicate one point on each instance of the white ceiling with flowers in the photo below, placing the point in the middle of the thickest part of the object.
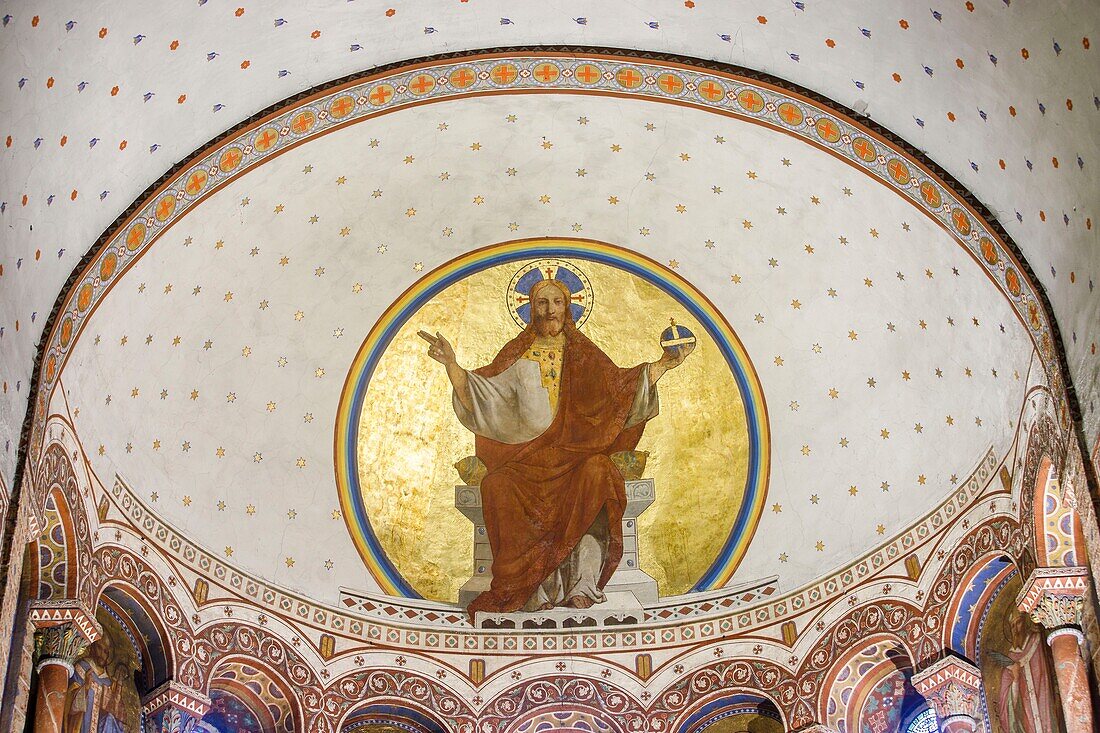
(878, 341)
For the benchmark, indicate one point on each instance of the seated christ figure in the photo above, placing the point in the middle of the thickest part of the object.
(547, 414)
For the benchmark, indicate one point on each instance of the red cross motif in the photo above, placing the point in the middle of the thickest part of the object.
(462, 78)
(929, 193)
(671, 84)
(864, 149)
(133, 239)
(381, 94)
(898, 171)
(165, 207)
(791, 115)
(587, 73)
(827, 130)
(546, 72)
(422, 84)
(265, 141)
(962, 222)
(750, 100)
(504, 74)
(230, 159)
(711, 91)
(302, 122)
(196, 182)
(629, 78)
(341, 106)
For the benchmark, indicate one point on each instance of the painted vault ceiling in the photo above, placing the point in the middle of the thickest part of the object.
(209, 379)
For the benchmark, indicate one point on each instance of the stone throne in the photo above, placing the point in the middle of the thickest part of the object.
(628, 590)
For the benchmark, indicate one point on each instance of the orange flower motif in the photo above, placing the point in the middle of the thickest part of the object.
(114, 91)
(1001, 163)
(689, 4)
(1085, 42)
(315, 34)
(1011, 111)
(761, 19)
(72, 196)
(959, 63)
(1025, 54)
(174, 45)
(7, 143)
(897, 77)
(1069, 104)
(951, 116)
(182, 98)
(102, 32)
(1054, 162)
(49, 83)
(64, 139)
(245, 64)
(970, 6)
(239, 12)
(830, 43)
(34, 22)
(390, 13)
(904, 24)
(122, 145)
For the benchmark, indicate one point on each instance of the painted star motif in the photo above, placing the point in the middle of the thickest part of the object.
(300, 463)
(250, 510)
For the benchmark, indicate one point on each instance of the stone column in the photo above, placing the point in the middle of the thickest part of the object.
(1054, 598)
(172, 706)
(954, 687)
(63, 630)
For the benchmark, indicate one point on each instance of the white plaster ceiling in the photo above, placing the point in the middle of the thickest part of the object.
(231, 60)
(208, 378)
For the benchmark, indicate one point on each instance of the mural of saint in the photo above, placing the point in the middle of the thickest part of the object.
(1016, 670)
(548, 412)
(102, 696)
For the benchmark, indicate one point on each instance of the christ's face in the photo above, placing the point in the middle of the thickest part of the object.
(548, 308)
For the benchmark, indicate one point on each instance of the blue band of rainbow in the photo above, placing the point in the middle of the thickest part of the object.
(355, 388)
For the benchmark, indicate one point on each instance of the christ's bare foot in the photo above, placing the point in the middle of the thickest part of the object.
(548, 606)
(578, 601)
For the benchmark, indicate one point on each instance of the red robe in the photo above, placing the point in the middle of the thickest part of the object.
(540, 497)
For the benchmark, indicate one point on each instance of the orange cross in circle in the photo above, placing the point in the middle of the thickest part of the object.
(164, 208)
(196, 182)
(671, 84)
(231, 158)
(422, 84)
(340, 106)
(629, 78)
(264, 141)
(587, 74)
(711, 90)
(381, 94)
(504, 74)
(302, 122)
(791, 114)
(462, 78)
(898, 170)
(863, 149)
(546, 72)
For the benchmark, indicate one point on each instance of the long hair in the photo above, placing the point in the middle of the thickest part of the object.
(515, 348)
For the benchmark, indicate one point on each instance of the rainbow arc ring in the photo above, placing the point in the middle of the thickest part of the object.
(374, 345)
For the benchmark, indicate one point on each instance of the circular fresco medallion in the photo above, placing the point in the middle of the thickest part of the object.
(404, 454)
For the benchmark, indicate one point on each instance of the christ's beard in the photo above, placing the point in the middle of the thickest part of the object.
(548, 326)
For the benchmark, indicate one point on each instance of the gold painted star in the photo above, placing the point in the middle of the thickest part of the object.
(783, 557)
(341, 180)
(314, 219)
(794, 405)
(673, 264)
(868, 282)
(819, 546)
(479, 200)
(187, 500)
(853, 336)
(511, 118)
(328, 565)
(122, 341)
(300, 463)
(196, 290)
(336, 514)
(921, 479)
(881, 529)
(444, 176)
(319, 372)
(544, 199)
(231, 397)
(612, 200)
(778, 361)
(409, 159)
(735, 279)
(680, 208)
(271, 407)
(291, 514)
(167, 289)
(716, 189)
(805, 450)
(228, 551)
(843, 240)
(257, 457)
(135, 392)
(447, 231)
(246, 351)
(815, 200)
(289, 562)
(709, 244)
(317, 272)
(871, 382)
(194, 394)
(852, 490)
(814, 498)
(885, 486)
(918, 428)
(374, 142)
(777, 508)
(220, 452)
(616, 148)
(786, 162)
(410, 212)
(156, 444)
(284, 260)
(176, 341)
(345, 231)
(279, 208)
(843, 442)
(834, 393)
(796, 304)
(885, 434)
(418, 266)
(581, 172)
(816, 348)
(376, 193)
(512, 171)
(746, 224)
(950, 420)
(154, 496)
(357, 288)
(308, 417)
(719, 139)
(513, 226)
(221, 506)
(905, 376)
(307, 169)
(299, 315)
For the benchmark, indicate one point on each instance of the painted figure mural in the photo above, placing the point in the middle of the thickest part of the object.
(102, 696)
(1016, 670)
(548, 413)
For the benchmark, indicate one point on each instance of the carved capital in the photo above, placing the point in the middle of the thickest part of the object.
(1054, 597)
(63, 630)
(59, 644)
(953, 687)
(173, 695)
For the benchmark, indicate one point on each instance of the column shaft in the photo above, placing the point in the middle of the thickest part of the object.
(1073, 686)
(53, 680)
